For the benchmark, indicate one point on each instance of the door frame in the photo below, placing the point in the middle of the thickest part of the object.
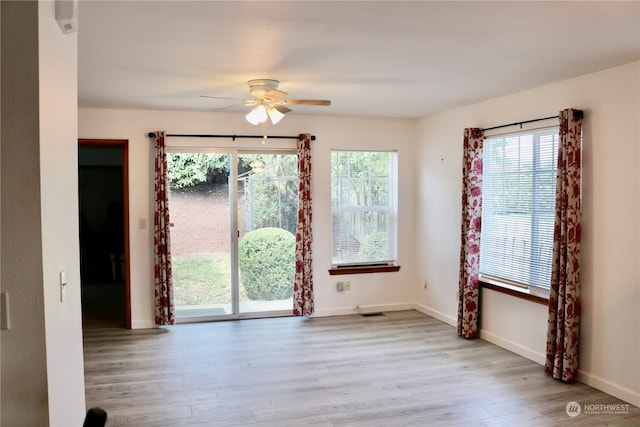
(124, 144)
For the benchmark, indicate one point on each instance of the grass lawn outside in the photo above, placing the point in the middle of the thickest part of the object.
(203, 279)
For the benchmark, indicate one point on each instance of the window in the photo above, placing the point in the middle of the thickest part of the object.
(363, 208)
(518, 208)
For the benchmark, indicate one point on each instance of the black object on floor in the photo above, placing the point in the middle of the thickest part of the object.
(96, 417)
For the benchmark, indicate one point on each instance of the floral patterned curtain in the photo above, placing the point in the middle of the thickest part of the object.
(163, 282)
(564, 298)
(468, 293)
(303, 281)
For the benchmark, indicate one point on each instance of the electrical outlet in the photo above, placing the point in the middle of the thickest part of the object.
(347, 286)
(340, 286)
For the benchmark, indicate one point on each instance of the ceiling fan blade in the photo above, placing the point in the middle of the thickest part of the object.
(221, 97)
(244, 102)
(275, 94)
(228, 107)
(324, 102)
(282, 108)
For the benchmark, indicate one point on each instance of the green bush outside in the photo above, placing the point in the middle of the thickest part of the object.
(267, 263)
(374, 247)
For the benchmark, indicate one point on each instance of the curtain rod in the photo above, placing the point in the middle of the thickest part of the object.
(233, 137)
(520, 123)
(576, 114)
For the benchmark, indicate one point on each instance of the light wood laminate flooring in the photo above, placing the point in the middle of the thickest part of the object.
(399, 369)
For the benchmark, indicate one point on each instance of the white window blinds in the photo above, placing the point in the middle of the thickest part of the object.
(518, 207)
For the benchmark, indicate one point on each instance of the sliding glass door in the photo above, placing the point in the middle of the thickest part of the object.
(267, 194)
(200, 245)
(233, 220)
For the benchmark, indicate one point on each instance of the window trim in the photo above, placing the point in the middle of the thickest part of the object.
(390, 210)
(363, 269)
(529, 293)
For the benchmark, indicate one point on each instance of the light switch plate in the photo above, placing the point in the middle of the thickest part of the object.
(63, 284)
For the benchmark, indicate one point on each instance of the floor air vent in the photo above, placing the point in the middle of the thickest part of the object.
(372, 314)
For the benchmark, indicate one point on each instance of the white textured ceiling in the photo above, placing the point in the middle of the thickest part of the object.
(370, 58)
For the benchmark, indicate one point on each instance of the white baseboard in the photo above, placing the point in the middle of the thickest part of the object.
(513, 347)
(623, 393)
(375, 308)
(436, 314)
(487, 336)
(142, 324)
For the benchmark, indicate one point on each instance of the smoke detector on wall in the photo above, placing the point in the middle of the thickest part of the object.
(66, 15)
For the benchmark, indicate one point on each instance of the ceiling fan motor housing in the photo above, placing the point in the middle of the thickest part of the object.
(259, 88)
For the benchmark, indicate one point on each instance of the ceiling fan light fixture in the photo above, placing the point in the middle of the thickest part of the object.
(268, 102)
(275, 115)
(257, 115)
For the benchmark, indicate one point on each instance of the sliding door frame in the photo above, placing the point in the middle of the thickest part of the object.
(234, 155)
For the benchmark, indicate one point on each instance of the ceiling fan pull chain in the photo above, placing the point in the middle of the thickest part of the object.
(264, 132)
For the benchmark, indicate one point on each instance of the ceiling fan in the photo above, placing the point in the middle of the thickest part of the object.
(269, 102)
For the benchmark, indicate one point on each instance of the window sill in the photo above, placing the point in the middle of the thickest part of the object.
(515, 291)
(363, 269)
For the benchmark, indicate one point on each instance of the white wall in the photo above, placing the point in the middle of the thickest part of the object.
(23, 357)
(58, 84)
(610, 322)
(42, 363)
(386, 291)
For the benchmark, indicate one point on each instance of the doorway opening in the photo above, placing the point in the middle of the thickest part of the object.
(104, 233)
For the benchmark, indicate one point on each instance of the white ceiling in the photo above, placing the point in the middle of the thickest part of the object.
(370, 58)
